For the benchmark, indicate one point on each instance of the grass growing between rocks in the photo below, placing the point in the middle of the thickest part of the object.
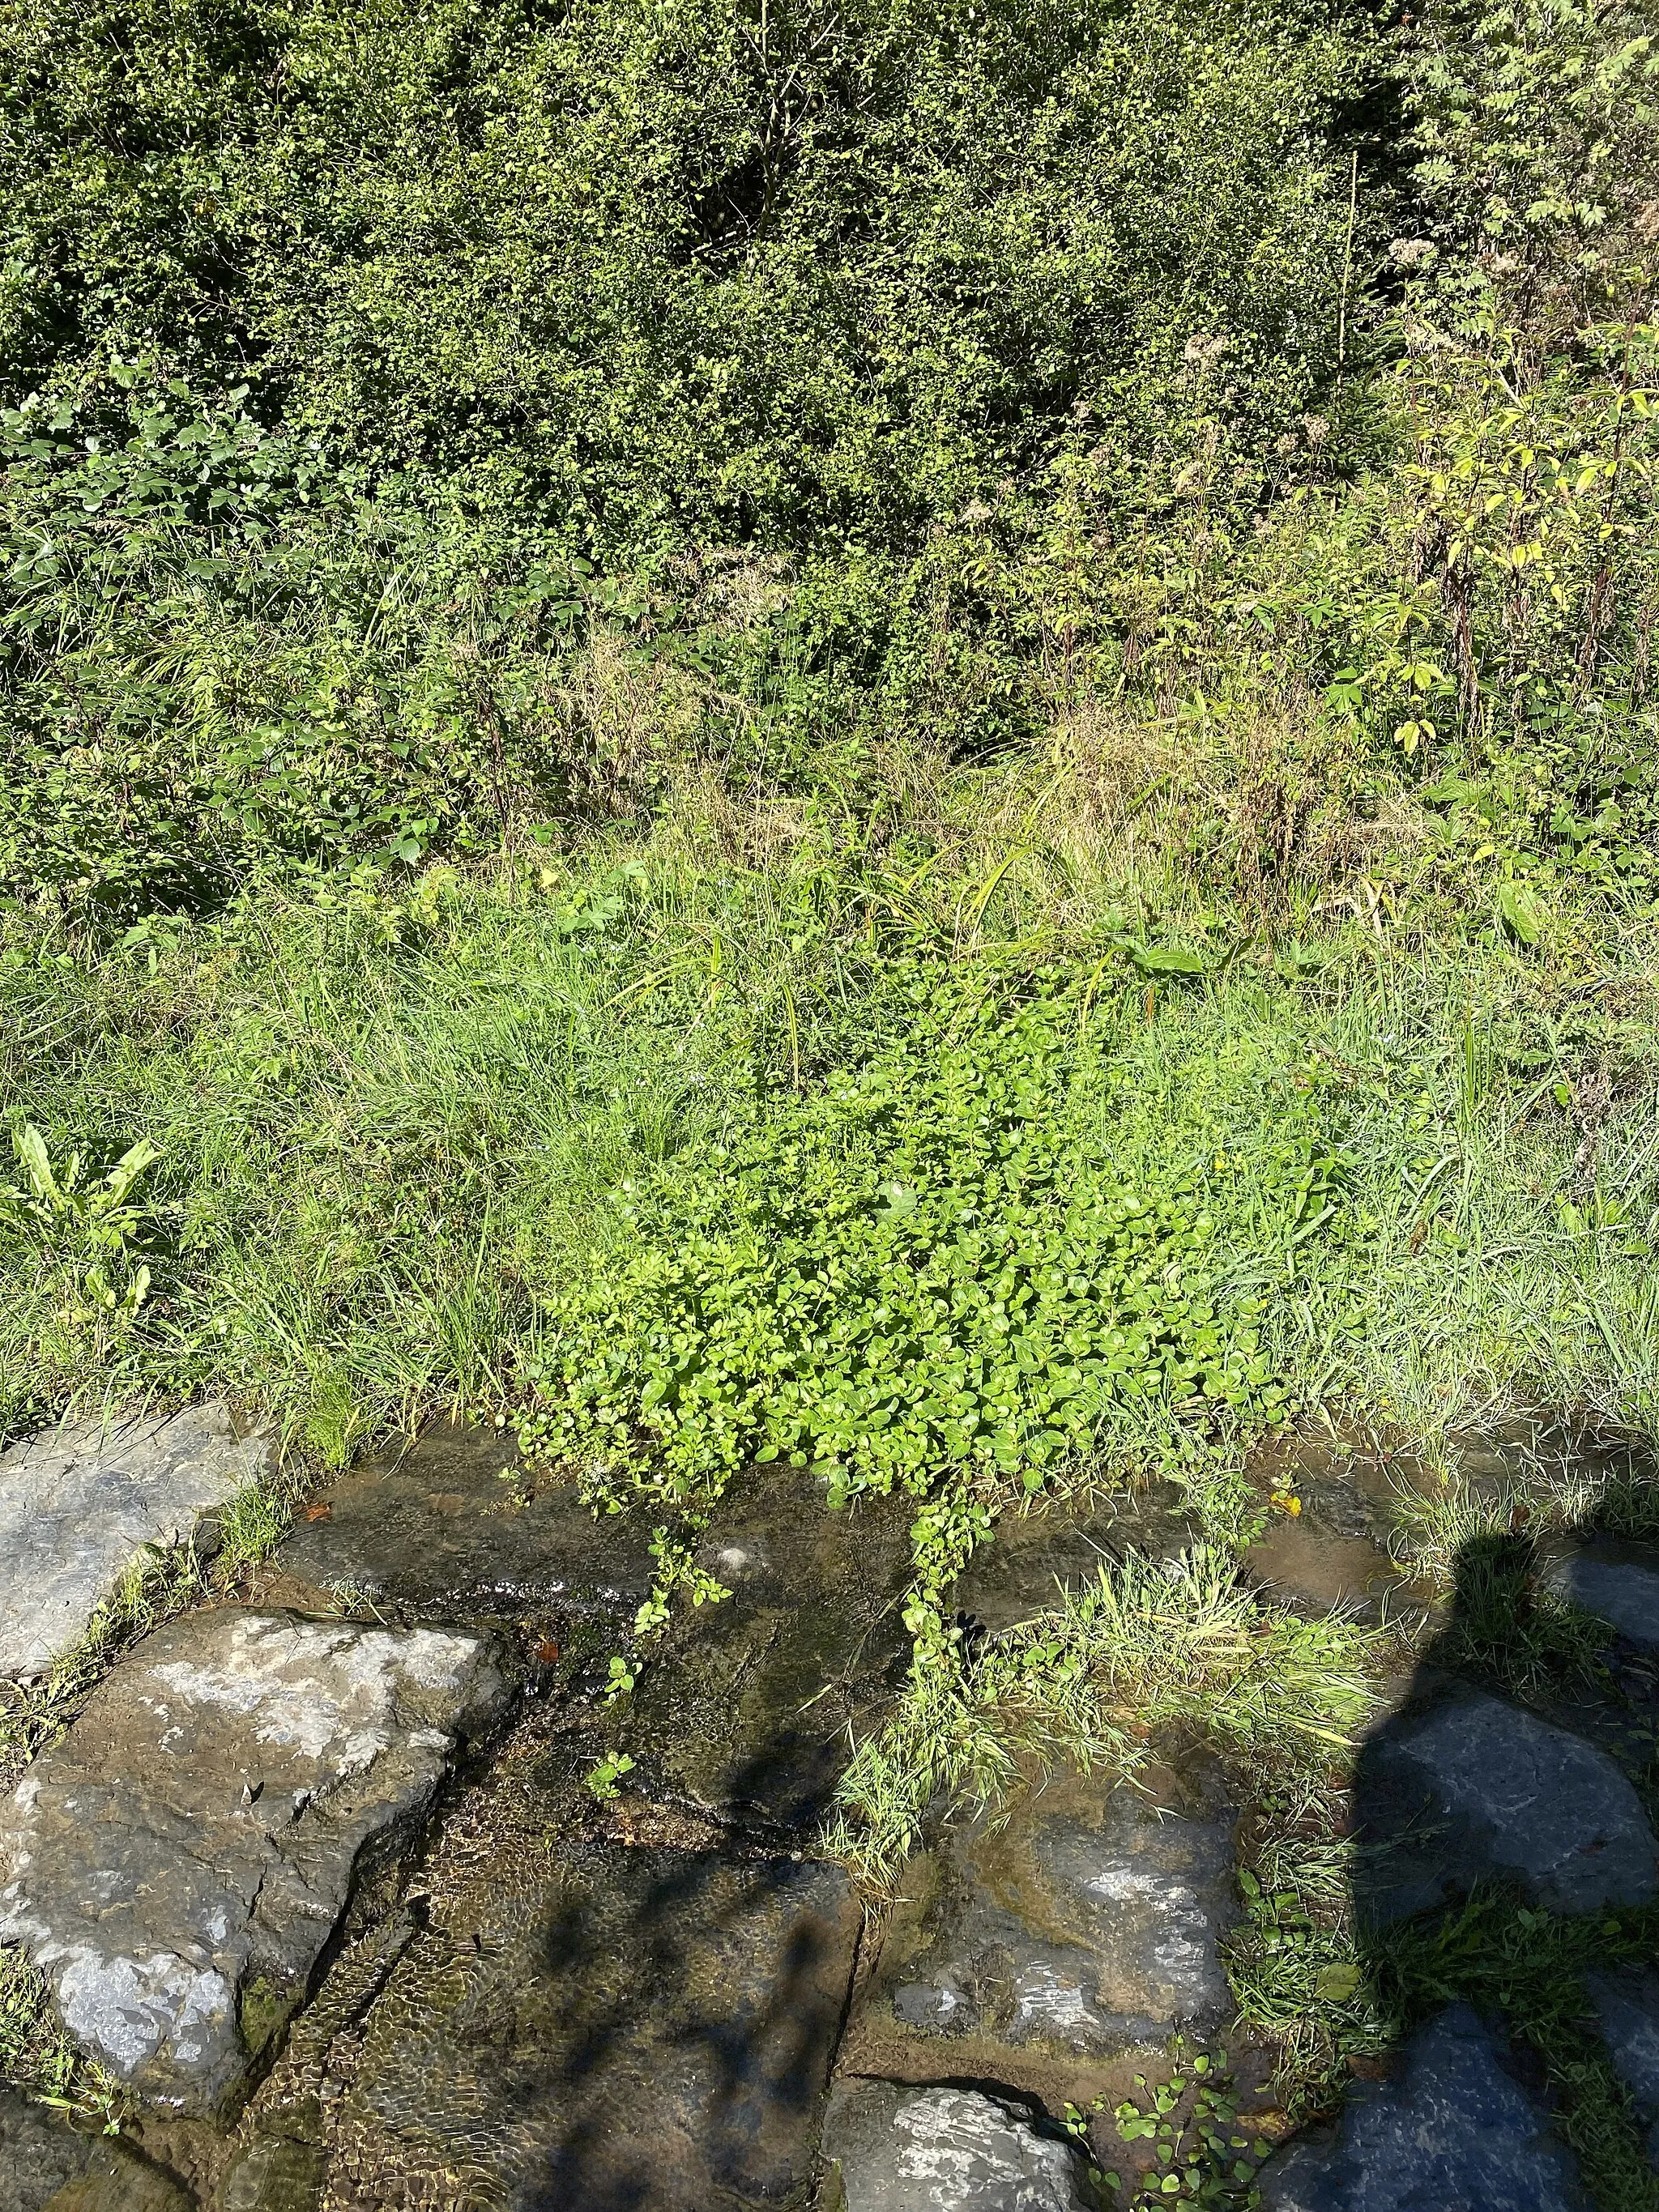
(1531, 1966)
(1331, 1997)
(1145, 1652)
(38, 2057)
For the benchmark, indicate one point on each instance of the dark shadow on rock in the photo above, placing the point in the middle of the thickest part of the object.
(1510, 1780)
(1509, 1760)
(627, 2004)
(624, 2027)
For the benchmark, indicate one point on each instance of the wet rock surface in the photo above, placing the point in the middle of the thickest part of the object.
(1628, 2013)
(1619, 1582)
(610, 1974)
(78, 1504)
(1454, 2128)
(47, 2166)
(1311, 1568)
(461, 1529)
(655, 2030)
(1032, 1556)
(176, 1864)
(1331, 1553)
(629, 1999)
(1089, 1924)
(572, 2009)
(750, 1705)
(896, 2149)
(1473, 1788)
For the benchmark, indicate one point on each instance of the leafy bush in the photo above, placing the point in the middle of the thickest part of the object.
(847, 346)
(219, 652)
(723, 274)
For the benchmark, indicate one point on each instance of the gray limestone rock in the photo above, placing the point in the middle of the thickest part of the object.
(1475, 1788)
(1089, 1924)
(893, 2150)
(77, 1505)
(1619, 1582)
(1628, 2013)
(175, 1866)
(1453, 2130)
(48, 2167)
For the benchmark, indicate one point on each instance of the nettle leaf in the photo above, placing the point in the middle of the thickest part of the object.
(1169, 960)
(1523, 912)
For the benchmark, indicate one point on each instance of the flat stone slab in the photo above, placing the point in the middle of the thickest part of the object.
(175, 1866)
(1628, 2013)
(459, 1528)
(1454, 2129)
(48, 2167)
(1475, 1788)
(1089, 1924)
(604, 2026)
(892, 2149)
(77, 1505)
(1617, 1581)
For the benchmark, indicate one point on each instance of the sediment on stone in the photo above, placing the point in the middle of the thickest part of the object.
(1032, 1557)
(1086, 1923)
(459, 1528)
(47, 2165)
(625, 1993)
(563, 2016)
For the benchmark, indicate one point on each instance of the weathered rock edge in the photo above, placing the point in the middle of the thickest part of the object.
(1454, 2128)
(78, 1506)
(889, 2149)
(175, 1867)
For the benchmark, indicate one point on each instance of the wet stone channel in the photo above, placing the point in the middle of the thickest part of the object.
(324, 1877)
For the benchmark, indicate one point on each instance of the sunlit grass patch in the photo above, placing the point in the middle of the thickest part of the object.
(1144, 1651)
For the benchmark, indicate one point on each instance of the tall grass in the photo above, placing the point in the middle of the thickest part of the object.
(1143, 1650)
(387, 1123)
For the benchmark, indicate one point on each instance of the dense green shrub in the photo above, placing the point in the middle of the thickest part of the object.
(835, 375)
(220, 649)
(669, 272)
(350, 350)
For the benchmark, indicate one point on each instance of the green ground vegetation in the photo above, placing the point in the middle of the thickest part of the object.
(914, 740)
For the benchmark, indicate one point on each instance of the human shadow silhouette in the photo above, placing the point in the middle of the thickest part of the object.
(1506, 1899)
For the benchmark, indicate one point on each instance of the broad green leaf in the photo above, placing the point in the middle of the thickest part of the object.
(1169, 960)
(1523, 912)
